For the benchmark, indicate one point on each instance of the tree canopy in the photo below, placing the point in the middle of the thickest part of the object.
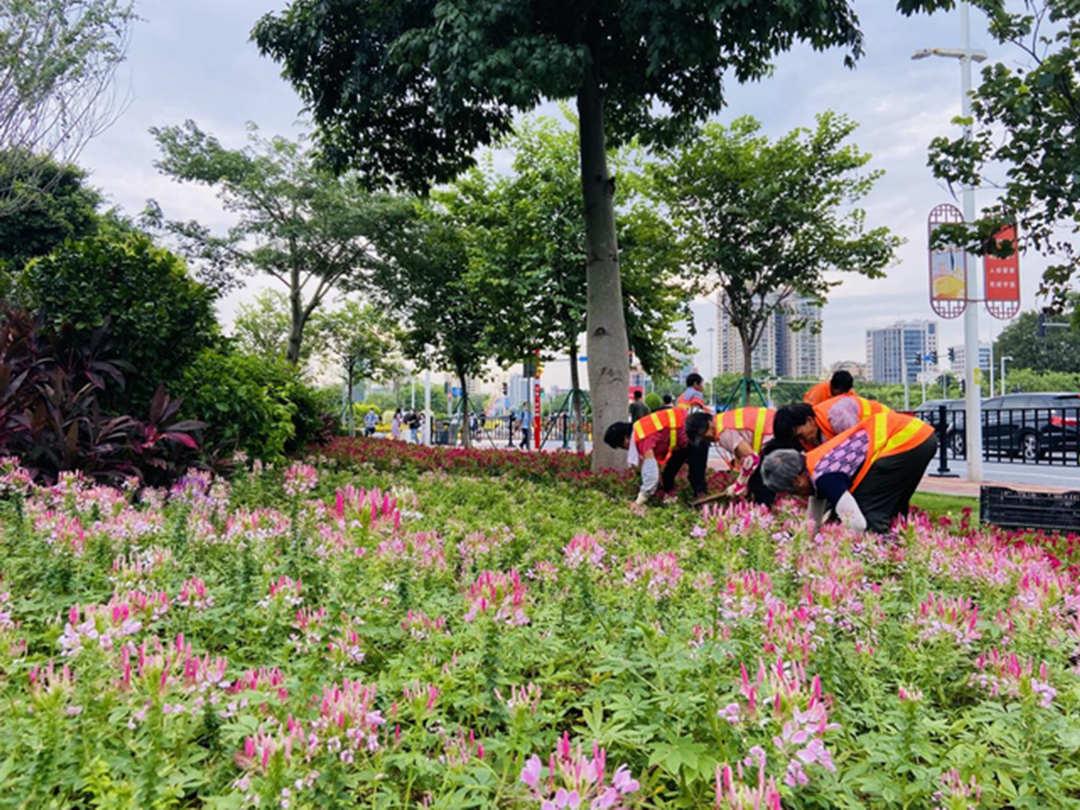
(297, 223)
(765, 221)
(1058, 350)
(56, 204)
(58, 59)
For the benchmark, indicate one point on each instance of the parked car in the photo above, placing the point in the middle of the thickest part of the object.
(1027, 426)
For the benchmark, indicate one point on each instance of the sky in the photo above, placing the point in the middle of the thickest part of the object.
(193, 60)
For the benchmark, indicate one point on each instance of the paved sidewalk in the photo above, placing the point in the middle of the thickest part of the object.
(962, 488)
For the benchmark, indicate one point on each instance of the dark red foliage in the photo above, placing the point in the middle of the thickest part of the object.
(51, 413)
(389, 455)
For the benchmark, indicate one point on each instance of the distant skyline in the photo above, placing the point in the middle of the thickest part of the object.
(194, 60)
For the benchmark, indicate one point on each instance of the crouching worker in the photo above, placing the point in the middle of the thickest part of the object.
(864, 477)
(659, 445)
(740, 434)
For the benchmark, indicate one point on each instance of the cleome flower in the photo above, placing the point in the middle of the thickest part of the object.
(575, 780)
(500, 595)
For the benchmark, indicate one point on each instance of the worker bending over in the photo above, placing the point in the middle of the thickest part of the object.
(841, 382)
(865, 476)
(659, 445)
(740, 435)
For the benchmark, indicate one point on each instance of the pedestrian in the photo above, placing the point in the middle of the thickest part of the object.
(658, 444)
(524, 417)
(638, 408)
(395, 424)
(864, 477)
(740, 435)
(412, 422)
(668, 400)
(371, 421)
(693, 398)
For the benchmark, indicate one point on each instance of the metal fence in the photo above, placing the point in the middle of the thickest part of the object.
(1014, 435)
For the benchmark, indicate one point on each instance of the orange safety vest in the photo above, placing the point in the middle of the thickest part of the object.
(684, 403)
(819, 393)
(760, 419)
(867, 407)
(891, 433)
(669, 419)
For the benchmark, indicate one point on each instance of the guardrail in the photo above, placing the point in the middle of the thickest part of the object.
(1015, 435)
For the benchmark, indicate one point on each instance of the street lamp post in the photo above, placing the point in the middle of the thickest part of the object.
(1004, 359)
(972, 403)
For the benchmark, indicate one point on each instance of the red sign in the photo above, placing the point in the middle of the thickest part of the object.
(633, 389)
(948, 267)
(1002, 278)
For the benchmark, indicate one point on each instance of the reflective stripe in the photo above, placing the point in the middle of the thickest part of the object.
(740, 423)
(881, 432)
(759, 429)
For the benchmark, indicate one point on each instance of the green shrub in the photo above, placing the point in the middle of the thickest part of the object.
(250, 403)
(653, 401)
(159, 317)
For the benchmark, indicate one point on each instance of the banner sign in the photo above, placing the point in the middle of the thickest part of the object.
(1002, 278)
(948, 267)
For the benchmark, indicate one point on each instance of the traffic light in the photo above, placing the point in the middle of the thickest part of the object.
(933, 358)
(1041, 329)
(952, 355)
(505, 389)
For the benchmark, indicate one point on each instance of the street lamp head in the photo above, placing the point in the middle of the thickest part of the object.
(922, 53)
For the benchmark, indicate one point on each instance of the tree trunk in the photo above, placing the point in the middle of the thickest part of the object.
(748, 369)
(575, 392)
(350, 414)
(296, 319)
(466, 432)
(606, 340)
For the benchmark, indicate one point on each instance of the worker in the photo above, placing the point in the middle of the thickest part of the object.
(865, 477)
(657, 442)
(841, 382)
(806, 426)
(693, 398)
(740, 434)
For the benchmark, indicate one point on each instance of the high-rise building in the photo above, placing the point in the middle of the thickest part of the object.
(903, 345)
(781, 350)
(957, 358)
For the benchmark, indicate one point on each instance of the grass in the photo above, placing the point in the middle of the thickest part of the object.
(952, 505)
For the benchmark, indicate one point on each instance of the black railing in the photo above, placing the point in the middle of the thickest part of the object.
(1016, 435)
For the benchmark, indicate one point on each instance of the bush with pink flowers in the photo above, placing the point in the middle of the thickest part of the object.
(372, 635)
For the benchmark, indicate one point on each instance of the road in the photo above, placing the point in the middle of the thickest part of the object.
(1030, 474)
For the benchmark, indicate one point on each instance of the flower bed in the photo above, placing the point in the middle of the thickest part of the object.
(330, 638)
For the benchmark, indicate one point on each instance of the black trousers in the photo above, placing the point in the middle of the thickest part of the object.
(696, 458)
(886, 490)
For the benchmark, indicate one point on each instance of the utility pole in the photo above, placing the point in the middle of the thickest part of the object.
(972, 391)
(427, 406)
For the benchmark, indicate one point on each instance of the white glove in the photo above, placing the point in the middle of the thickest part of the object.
(650, 479)
(815, 514)
(849, 513)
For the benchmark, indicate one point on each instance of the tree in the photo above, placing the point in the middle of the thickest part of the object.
(159, 317)
(426, 281)
(1058, 350)
(1027, 127)
(405, 91)
(56, 205)
(58, 60)
(308, 229)
(262, 326)
(526, 238)
(361, 340)
(765, 221)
